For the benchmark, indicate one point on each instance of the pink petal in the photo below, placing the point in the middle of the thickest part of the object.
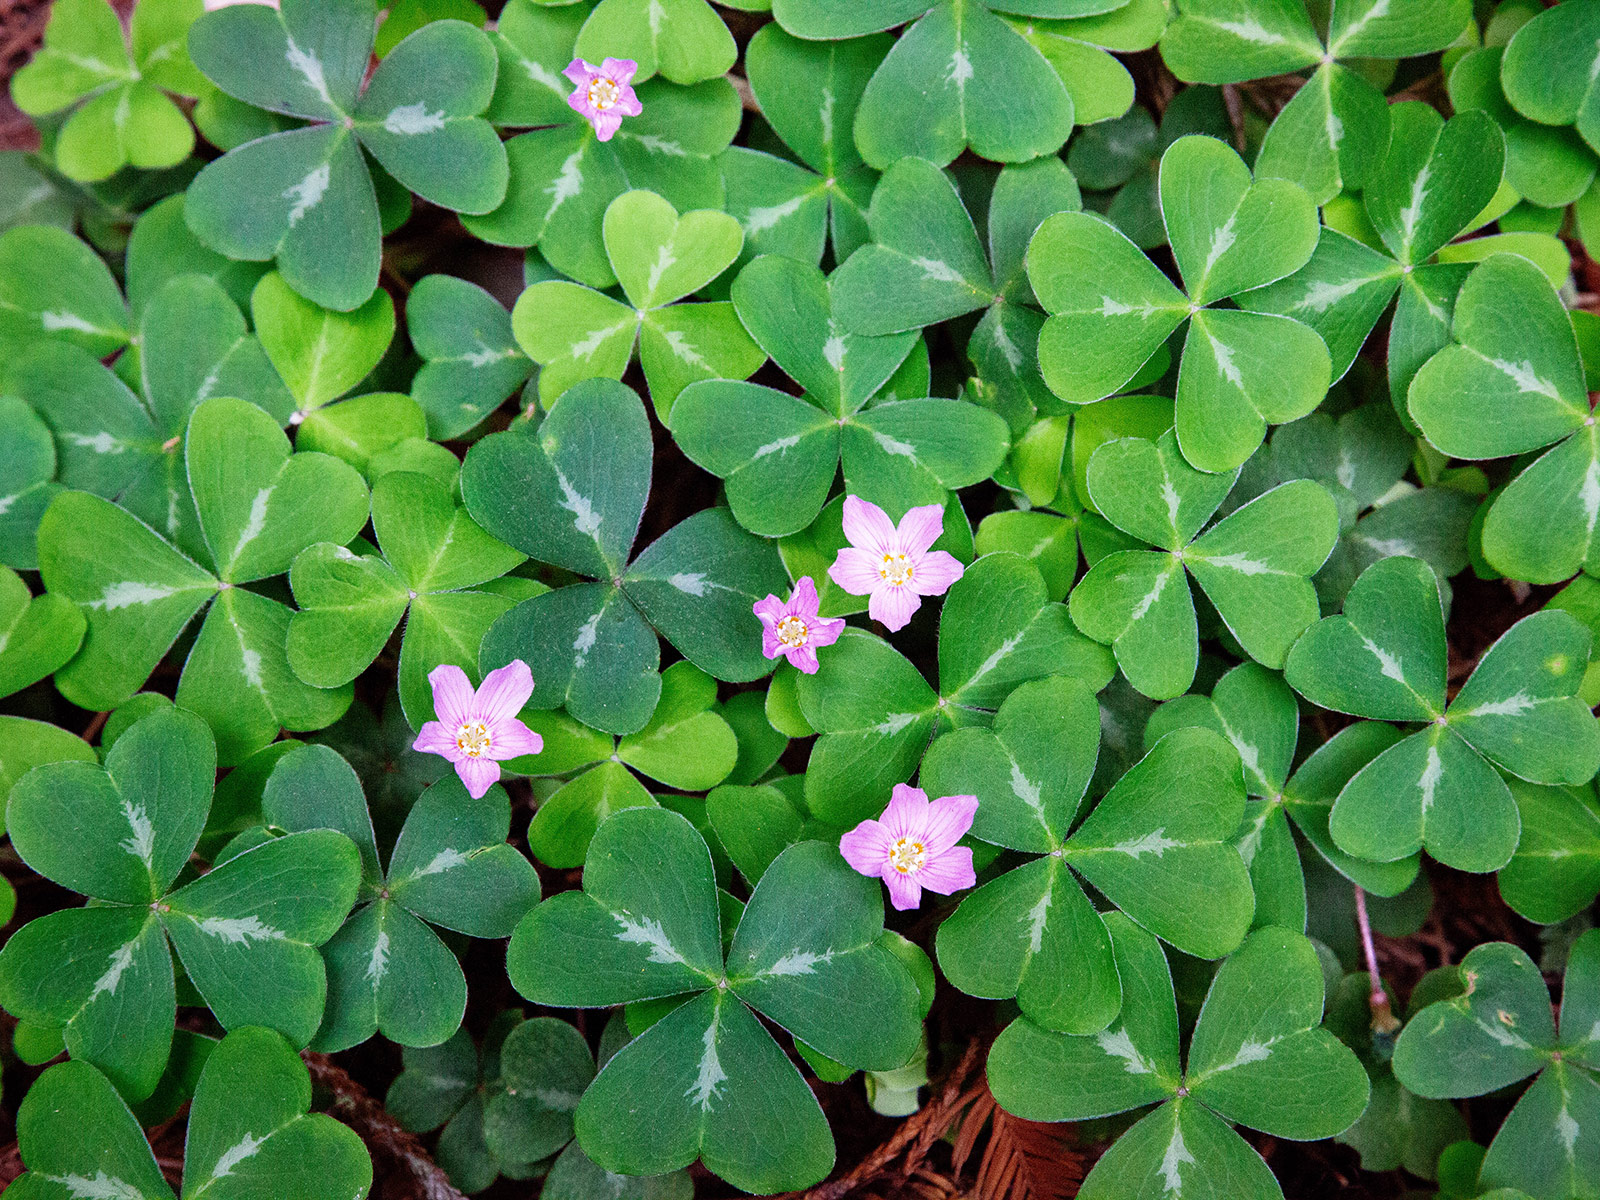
(804, 658)
(948, 873)
(803, 601)
(619, 70)
(770, 645)
(893, 606)
(504, 691)
(907, 814)
(512, 739)
(771, 609)
(628, 103)
(920, 528)
(934, 572)
(606, 124)
(866, 848)
(436, 738)
(904, 890)
(825, 631)
(479, 774)
(579, 72)
(868, 526)
(579, 102)
(452, 694)
(856, 571)
(948, 820)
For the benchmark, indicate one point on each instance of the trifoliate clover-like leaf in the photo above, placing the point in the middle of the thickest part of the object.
(1247, 1055)
(646, 925)
(1510, 381)
(570, 492)
(258, 505)
(1500, 1031)
(1428, 188)
(685, 745)
(55, 288)
(1254, 565)
(37, 633)
(1111, 308)
(388, 971)
(576, 333)
(471, 360)
(1032, 933)
(433, 561)
(1555, 872)
(306, 197)
(1439, 789)
(118, 83)
(246, 932)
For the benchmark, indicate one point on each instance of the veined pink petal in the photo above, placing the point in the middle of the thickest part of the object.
(770, 645)
(868, 526)
(504, 691)
(866, 848)
(825, 631)
(905, 891)
(803, 600)
(948, 819)
(479, 774)
(920, 528)
(770, 609)
(628, 103)
(893, 606)
(436, 738)
(856, 571)
(579, 72)
(512, 739)
(619, 70)
(452, 695)
(579, 102)
(934, 572)
(907, 814)
(606, 124)
(804, 659)
(950, 872)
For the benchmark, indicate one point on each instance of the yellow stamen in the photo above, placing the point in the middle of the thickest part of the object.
(793, 632)
(907, 856)
(603, 93)
(896, 570)
(473, 739)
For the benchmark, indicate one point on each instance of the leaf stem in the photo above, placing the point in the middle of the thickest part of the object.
(1383, 1018)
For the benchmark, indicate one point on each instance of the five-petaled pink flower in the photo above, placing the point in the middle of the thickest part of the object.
(913, 845)
(795, 629)
(895, 566)
(603, 94)
(476, 730)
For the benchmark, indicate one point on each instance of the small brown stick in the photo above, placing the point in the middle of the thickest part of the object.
(747, 97)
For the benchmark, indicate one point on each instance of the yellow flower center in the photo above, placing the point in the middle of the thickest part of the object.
(603, 93)
(473, 739)
(793, 632)
(896, 570)
(907, 856)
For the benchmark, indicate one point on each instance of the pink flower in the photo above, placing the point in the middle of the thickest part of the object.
(913, 845)
(794, 628)
(478, 730)
(603, 93)
(894, 566)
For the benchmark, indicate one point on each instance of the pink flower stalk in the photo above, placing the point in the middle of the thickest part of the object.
(211, 4)
(893, 565)
(603, 94)
(913, 845)
(794, 628)
(478, 730)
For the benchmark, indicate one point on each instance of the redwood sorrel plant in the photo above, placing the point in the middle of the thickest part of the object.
(631, 599)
